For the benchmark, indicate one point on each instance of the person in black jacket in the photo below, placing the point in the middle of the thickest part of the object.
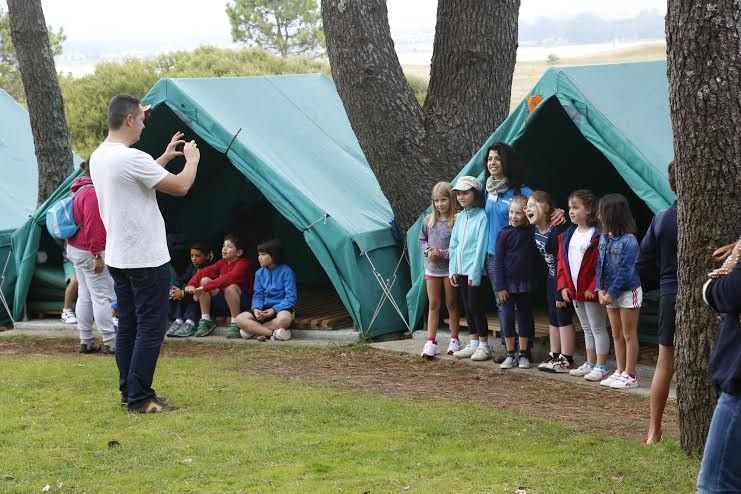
(721, 460)
(186, 310)
(657, 262)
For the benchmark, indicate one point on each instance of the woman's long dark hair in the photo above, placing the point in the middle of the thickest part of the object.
(512, 165)
(615, 216)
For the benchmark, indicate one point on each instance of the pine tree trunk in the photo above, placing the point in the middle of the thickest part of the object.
(704, 56)
(43, 94)
(408, 148)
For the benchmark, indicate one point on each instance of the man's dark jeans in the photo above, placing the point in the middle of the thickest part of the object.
(142, 295)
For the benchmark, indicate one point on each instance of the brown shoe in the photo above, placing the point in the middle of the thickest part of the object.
(154, 405)
(91, 347)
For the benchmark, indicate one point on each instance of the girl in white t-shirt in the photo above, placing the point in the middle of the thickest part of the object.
(576, 280)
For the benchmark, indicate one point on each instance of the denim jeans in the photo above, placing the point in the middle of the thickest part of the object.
(721, 462)
(185, 309)
(142, 321)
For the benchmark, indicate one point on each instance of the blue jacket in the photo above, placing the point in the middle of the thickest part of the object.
(514, 264)
(468, 239)
(616, 264)
(497, 211)
(724, 295)
(275, 288)
(657, 260)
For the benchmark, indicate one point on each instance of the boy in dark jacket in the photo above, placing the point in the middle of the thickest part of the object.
(185, 309)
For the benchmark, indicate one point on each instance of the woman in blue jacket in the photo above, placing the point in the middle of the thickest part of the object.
(274, 298)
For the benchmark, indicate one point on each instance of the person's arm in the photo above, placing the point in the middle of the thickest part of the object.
(424, 246)
(482, 240)
(647, 263)
(626, 267)
(92, 224)
(289, 287)
(500, 249)
(180, 184)
(601, 248)
(452, 248)
(258, 292)
(171, 151)
(237, 275)
(724, 294)
(211, 271)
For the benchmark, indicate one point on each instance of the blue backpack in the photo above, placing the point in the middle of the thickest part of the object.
(60, 218)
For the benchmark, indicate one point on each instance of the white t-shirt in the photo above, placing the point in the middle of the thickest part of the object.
(124, 181)
(577, 247)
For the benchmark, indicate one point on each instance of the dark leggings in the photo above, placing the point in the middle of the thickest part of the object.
(473, 304)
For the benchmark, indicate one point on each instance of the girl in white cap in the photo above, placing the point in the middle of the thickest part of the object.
(467, 254)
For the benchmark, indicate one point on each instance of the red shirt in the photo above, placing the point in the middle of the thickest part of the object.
(223, 274)
(91, 233)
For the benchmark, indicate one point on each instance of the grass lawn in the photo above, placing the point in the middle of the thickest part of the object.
(244, 428)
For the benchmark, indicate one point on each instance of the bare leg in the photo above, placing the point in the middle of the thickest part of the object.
(284, 319)
(510, 343)
(232, 294)
(451, 302)
(70, 293)
(434, 289)
(617, 337)
(629, 319)
(204, 299)
(660, 393)
(568, 337)
(555, 339)
(523, 343)
(247, 322)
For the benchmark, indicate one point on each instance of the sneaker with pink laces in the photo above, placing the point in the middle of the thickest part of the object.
(626, 381)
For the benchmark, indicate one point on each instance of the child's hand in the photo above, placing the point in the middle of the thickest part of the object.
(190, 289)
(503, 296)
(560, 305)
(433, 254)
(565, 296)
(257, 313)
(589, 295)
(558, 217)
(269, 313)
(454, 280)
(608, 300)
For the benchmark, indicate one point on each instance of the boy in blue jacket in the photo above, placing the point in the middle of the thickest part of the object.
(274, 298)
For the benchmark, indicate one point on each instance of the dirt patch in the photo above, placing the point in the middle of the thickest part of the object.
(606, 411)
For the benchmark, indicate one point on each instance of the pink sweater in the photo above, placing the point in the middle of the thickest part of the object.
(91, 233)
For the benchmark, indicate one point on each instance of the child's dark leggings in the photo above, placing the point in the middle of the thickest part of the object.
(473, 304)
(520, 304)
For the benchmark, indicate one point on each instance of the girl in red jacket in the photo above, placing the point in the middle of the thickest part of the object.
(576, 278)
(226, 283)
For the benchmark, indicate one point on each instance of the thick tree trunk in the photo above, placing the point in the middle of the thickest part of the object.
(470, 84)
(44, 97)
(704, 56)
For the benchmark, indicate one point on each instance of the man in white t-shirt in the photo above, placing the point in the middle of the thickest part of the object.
(126, 181)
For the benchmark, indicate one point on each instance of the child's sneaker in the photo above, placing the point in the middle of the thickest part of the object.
(582, 370)
(233, 331)
(547, 364)
(90, 347)
(508, 362)
(205, 328)
(625, 381)
(174, 327)
(281, 334)
(429, 350)
(597, 374)
(69, 317)
(610, 379)
(454, 346)
(109, 350)
(246, 334)
(482, 353)
(467, 351)
(115, 323)
(186, 330)
(561, 365)
(523, 361)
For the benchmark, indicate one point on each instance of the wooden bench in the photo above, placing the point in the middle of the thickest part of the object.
(541, 324)
(320, 308)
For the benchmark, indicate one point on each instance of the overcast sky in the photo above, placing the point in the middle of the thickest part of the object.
(160, 20)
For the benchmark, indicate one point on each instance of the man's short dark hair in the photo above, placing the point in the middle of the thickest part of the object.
(120, 106)
(273, 248)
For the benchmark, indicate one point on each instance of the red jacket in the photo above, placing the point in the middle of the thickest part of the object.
(587, 271)
(91, 233)
(223, 274)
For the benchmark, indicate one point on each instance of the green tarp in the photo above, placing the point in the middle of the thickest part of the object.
(283, 142)
(603, 127)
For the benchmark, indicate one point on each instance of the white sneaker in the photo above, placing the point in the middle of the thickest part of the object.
(547, 364)
(625, 382)
(246, 334)
(597, 374)
(582, 370)
(483, 352)
(523, 362)
(610, 379)
(509, 362)
(561, 365)
(69, 317)
(281, 334)
(454, 346)
(467, 351)
(430, 349)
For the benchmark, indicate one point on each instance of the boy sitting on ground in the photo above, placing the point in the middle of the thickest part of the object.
(274, 298)
(226, 284)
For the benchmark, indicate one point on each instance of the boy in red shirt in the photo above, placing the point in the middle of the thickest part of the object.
(227, 284)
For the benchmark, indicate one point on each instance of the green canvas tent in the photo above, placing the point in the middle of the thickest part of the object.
(602, 127)
(277, 150)
(18, 187)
